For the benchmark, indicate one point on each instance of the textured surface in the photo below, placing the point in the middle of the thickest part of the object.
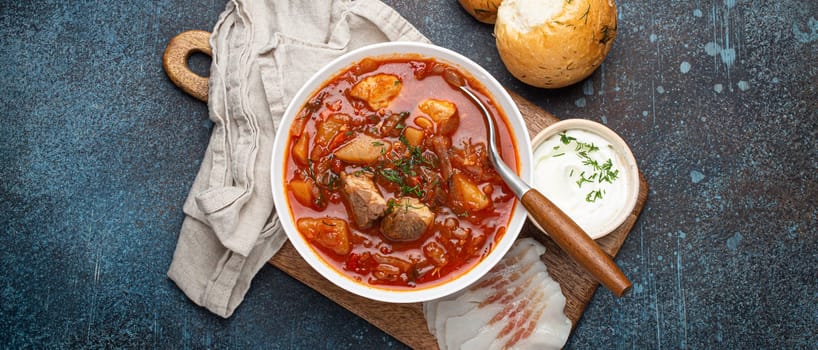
(716, 98)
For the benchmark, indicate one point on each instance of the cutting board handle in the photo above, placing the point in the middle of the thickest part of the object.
(175, 62)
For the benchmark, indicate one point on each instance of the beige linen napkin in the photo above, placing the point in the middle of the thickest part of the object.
(263, 51)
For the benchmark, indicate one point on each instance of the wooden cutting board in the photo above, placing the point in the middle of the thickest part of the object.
(406, 322)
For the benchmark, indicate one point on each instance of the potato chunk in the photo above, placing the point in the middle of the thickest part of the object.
(414, 136)
(301, 149)
(466, 194)
(362, 150)
(377, 90)
(303, 191)
(330, 233)
(330, 127)
(437, 109)
(444, 114)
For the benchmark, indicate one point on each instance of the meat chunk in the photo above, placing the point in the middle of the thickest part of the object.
(377, 90)
(363, 200)
(407, 220)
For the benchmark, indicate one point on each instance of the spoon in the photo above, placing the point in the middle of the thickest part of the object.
(560, 227)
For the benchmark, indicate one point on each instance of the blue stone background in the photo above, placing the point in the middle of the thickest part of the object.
(98, 149)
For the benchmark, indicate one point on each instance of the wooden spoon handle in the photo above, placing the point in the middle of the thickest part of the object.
(575, 242)
(175, 62)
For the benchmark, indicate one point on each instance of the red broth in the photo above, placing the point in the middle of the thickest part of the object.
(461, 234)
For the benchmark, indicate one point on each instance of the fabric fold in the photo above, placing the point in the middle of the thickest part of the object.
(263, 51)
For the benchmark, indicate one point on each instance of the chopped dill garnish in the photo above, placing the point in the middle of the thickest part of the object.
(565, 139)
(598, 173)
(593, 196)
(392, 175)
(413, 190)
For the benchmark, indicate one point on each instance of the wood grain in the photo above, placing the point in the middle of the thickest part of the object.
(406, 322)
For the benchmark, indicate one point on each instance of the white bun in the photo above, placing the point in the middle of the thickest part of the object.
(483, 10)
(552, 44)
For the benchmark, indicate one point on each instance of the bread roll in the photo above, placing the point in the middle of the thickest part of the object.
(552, 44)
(483, 10)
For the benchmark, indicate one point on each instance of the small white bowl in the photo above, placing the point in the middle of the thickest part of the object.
(279, 158)
(596, 218)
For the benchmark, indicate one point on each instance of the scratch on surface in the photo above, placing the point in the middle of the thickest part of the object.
(728, 54)
(725, 47)
(653, 99)
(47, 300)
(155, 328)
(93, 307)
(715, 37)
(185, 334)
(682, 306)
(655, 296)
(637, 288)
(651, 286)
(602, 83)
(96, 272)
(641, 243)
(658, 53)
(658, 69)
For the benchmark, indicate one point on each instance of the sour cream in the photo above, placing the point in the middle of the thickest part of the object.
(588, 177)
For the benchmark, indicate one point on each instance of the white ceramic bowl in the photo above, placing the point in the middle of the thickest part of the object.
(597, 222)
(279, 158)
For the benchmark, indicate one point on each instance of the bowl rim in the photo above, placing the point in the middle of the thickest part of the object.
(517, 127)
(620, 146)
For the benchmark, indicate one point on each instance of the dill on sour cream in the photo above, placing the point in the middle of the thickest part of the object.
(579, 171)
